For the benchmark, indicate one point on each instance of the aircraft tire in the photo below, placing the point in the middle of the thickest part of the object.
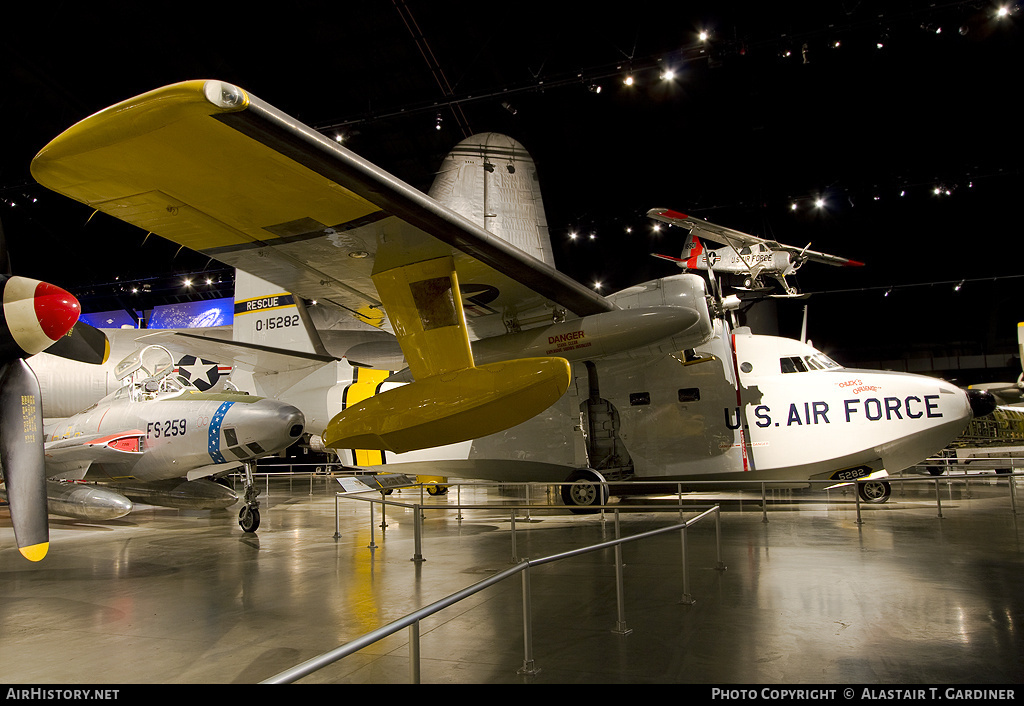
(437, 490)
(249, 519)
(874, 491)
(585, 490)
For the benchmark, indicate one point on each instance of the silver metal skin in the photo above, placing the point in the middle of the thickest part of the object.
(153, 431)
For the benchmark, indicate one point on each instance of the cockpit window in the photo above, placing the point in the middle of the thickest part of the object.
(792, 364)
(797, 364)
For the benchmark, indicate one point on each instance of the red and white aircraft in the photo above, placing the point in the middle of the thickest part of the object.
(746, 255)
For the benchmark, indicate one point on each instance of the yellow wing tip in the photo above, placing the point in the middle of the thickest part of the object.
(35, 552)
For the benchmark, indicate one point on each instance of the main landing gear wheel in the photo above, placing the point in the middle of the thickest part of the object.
(437, 489)
(585, 489)
(249, 515)
(874, 491)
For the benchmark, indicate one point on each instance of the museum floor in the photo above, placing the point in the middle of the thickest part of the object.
(809, 597)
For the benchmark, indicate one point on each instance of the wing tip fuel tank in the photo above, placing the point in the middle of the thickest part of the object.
(451, 407)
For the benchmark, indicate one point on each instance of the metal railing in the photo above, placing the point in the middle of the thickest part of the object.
(412, 620)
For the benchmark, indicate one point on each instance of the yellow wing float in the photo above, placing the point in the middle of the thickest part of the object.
(211, 167)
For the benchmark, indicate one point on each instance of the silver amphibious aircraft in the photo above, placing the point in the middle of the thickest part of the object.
(508, 368)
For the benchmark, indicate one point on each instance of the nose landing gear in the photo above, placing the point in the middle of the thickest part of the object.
(249, 515)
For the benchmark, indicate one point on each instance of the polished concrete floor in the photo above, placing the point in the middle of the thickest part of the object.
(812, 596)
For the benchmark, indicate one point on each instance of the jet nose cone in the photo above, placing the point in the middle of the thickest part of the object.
(294, 421)
(982, 402)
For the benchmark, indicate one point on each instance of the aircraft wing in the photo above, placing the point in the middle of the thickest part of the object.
(73, 456)
(211, 167)
(735, 238)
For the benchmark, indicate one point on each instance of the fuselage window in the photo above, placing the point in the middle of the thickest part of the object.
(689, 394)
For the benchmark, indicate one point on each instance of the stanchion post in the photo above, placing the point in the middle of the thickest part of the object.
(718, 538)
(529, 667)
(620, 590)
(687, 598)
(417, 525)
(414, 652)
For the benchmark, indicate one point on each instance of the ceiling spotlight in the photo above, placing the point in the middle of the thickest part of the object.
(792, 206)
(187, 282)
(1003, 11)
(511, 168)
(594, 88)
(958, 286)
(597, 285)
(593, 236)
(668, 75)
(819, 202)
(437, 125)
(573, 235)
(628, 80)
(488, 167)
(703, 36)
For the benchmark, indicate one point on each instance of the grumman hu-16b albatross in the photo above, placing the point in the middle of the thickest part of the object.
(746, 255)
(158, 439)
(511, 369)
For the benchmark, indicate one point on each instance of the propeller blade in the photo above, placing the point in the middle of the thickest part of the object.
(84, 344)
(21, 450)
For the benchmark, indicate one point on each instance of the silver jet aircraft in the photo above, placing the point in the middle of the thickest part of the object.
(158, 439)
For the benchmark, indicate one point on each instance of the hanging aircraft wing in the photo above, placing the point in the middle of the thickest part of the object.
(211, 167)
(737, 239)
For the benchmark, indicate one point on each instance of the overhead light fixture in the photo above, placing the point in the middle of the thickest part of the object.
(488, 167)
(594, 88)
(437, 125)
(628, 80)
(703, 36)
(819, 202)
(668, 75)
(511, 168)
(958, 286)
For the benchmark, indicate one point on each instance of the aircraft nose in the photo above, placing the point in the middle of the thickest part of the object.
(982, 402)
(262, 427)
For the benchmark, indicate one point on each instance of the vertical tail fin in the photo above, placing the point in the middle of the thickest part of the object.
(692, 251)
(491, 180)
(267, 315)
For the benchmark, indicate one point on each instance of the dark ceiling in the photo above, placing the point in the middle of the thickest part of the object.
(854, 102)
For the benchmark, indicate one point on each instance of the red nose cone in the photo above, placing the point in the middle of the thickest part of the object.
(56, 310)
